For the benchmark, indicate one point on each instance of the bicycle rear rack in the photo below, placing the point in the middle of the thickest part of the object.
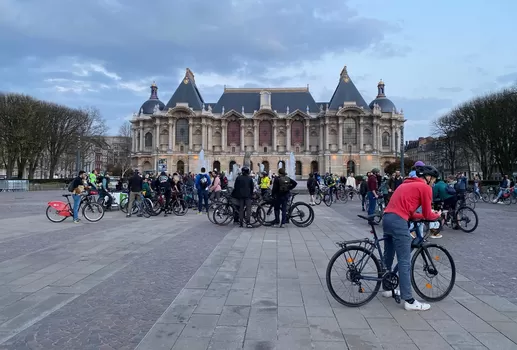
(359, 242)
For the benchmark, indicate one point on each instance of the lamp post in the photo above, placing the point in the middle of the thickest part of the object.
(78, 156)
(350, 160)
(402, 170)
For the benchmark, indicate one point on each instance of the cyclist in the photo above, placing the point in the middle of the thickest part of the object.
(164, 185)
(411, 194)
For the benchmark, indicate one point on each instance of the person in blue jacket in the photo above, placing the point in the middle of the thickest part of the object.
(202, 183)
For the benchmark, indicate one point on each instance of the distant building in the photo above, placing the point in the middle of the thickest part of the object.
(344, 134)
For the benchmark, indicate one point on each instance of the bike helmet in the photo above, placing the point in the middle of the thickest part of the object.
(245, 170)
(419, 163)
(427, 170)
(375, 170)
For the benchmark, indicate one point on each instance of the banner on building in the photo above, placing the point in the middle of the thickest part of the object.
(162, 165)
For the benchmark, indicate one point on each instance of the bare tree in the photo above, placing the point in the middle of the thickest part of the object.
(448, 144)
(126, 149)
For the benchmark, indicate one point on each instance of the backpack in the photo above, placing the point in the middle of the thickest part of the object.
(224, 182)
(450, 189)
(203, 182)
(163, 180)
(71, 186)
(284, 183)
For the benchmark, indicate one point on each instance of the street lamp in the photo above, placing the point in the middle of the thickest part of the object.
(402, 171)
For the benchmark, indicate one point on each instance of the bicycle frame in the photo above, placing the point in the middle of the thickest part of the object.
(66, 208)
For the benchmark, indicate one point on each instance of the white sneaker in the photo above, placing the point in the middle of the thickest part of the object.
(387, 293)
(494, 201)
(416, 306)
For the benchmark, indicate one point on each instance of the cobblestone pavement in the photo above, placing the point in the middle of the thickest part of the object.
(265, 289)
(91, 285)
(483, 256)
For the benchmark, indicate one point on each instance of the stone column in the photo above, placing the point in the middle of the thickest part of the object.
(203, 136)
(210, 146)
(288, 135)
(169, 150)
(327, 138)
(393, 138)
(375, 133)
(307, 136)
(157, 136)
(173, 126)
(255, 136)
(223, 136)
(340, 135)
(361, 135)
(133, 140)
(141, 136)
(190, 125)
(274, 136)
(242, 136)
(320, 136)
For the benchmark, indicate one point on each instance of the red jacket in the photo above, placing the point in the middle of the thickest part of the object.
(411, 194)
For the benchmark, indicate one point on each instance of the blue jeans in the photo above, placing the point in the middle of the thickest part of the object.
(372, 203)
(202, 196)
(398, 240)
(77, 202)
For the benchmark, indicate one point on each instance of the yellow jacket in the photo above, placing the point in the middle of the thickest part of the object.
(265, 182)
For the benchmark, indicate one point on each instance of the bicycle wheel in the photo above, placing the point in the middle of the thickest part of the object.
(269, 213)
(93, 211)
(355, 259)
(223, 214)
(507, 200)
(301, 214)
(470, 202)
(123, 205)
(428, 265)
(179, 207)
(318, 198)
(343, 196)
(257, 215)
(462, 216)
(210, 212)
(327, 199)
(53, 215)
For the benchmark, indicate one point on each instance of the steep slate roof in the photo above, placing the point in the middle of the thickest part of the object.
(281, 98)
(346, 92)
(187, 92)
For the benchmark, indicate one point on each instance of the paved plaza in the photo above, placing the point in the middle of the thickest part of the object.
(183, 283)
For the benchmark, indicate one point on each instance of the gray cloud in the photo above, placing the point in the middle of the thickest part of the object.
(507, 78)
(450, 89)
(217, 36)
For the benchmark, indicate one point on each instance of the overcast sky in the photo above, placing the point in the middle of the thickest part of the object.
(432, 55)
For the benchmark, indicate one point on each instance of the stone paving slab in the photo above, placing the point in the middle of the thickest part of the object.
(265, 288)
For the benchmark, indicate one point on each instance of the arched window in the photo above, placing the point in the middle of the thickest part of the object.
(230, 168)
(281, 164)
(266, 166)
(234, 133)
(350, 167)
(349, 131)
(386, 139)
(265, 133)
(314, 166)
(180, 167)
(367, 137)
(298, 168)
(148, 142)
(216, 166)
(296, 133)
(182, 131)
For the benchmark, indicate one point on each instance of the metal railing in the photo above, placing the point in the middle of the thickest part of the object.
(14, 185)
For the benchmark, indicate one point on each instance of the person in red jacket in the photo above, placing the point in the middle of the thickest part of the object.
(411, 194)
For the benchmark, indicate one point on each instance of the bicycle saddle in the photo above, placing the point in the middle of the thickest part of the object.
(369, 218)
(66, 195)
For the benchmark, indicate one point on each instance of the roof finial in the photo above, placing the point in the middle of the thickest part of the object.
(344, 75)
(380, 89)
(189, 76)
(154, 91)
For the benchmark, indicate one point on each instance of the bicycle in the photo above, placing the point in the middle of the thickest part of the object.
(294, 212)
(224, 213)
(357, 253)
(459, 215)
(64, 210)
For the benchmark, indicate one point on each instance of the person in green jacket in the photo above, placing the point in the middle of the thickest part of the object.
(442, 194)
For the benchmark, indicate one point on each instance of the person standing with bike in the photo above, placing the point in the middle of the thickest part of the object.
(411, 194)
(282, 186)
(373, 186)
(77, 186)
(163, 183)
(242, 193)
(136, 184)
(202, 183)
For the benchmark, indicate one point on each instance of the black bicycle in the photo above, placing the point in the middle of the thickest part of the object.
(357, 255)
(299, 213)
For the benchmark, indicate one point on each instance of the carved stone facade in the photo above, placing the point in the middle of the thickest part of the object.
(352, 137)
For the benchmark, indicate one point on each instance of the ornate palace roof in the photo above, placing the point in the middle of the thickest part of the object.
(283, 100)
(385, 103)
(346, 92)
(187, 92)
(153, 101)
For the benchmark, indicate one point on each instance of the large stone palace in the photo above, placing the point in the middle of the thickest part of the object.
(340, 136)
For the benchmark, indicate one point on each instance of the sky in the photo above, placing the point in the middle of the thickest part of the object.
(432, 56)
